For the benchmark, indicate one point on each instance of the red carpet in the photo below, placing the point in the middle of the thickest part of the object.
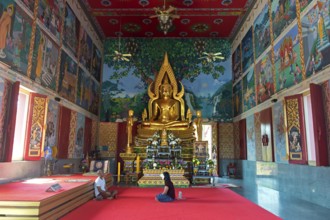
(198, 203)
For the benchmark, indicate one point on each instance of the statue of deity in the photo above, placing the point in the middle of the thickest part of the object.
(199, 125)
(166, 105)
(130, 123)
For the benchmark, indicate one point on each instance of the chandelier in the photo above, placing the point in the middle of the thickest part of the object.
(165, 17)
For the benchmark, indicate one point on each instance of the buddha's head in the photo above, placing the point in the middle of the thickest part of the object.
(10, 9)
(130, 113)
(199, 113)
(166, 88)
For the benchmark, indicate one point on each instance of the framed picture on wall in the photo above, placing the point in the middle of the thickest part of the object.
(201, 149)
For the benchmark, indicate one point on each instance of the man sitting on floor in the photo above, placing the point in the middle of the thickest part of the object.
(100, 188)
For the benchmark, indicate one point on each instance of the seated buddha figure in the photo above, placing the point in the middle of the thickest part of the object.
(166, 109)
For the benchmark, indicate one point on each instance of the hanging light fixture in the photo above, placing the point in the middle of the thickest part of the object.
(165, 17)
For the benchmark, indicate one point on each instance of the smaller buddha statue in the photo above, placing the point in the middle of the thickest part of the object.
(198, 122)
(130, 123)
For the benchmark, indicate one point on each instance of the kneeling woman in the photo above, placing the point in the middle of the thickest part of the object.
(168, 195)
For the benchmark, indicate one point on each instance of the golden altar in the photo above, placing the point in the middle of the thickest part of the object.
(151, 178)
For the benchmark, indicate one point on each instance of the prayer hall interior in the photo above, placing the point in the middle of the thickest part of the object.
(232, 98)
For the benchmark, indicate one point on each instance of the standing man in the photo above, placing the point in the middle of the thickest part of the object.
(100, 188)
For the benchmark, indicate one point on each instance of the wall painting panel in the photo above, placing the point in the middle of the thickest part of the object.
(237, 63)
(44, 62)
(283, 13)
(68, 78)
(86, 49)
(52, 124)
(249, 96)
(279, 129)
(15, 35)
(247, 50)
(262, 31)
(237, 98)
(316, 36)
(50, 14)
(71, 31)
(287, 60)
(251, 140)
(264, 78)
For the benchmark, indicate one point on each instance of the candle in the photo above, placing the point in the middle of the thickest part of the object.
(118, 179)
(138, 164)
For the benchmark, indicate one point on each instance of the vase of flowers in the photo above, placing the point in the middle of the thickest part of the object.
(210, 164)
(196, 163)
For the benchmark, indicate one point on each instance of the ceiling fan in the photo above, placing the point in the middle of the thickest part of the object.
(212, 57)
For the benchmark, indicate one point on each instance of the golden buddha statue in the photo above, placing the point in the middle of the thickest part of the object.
(166, 105)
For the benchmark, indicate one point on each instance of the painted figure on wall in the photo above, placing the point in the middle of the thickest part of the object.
(262, 31)
(5, 28)
(40, 59)
(287, 60)
(237, 64)
(52, 119)
(283, 13)
(49, 13)
(247, 50)
(265, 87)
(86, 46)
(294, 140)
(35, 137)
(71, 28)
(68, 78)
(316, 37)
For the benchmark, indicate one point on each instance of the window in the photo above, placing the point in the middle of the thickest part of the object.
(20, 127)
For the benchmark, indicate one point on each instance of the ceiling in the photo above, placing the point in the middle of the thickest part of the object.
(198, 18)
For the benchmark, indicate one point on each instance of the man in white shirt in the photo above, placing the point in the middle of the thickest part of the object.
(100, 188)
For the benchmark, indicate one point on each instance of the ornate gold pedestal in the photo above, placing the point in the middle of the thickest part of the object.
(128, 159)
(151, 178)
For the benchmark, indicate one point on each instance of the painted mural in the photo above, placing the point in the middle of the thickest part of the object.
(279, 134)
(316, 36)
(237, 63)
(207, 84)
(94, 97)
(52, 124)
(247, 50)
(96, 64)
(287, 60)
(15, 35)
(50, 14)
(249, 95)
(29, 4)
(83, 89)
(261, 29)
(79, 143)
(264, 78)
(86, 49)
(283, 13)
(45, 58)
(68, 78)
(304, 4)
(250, 138)
(71, 31)
(237, 98)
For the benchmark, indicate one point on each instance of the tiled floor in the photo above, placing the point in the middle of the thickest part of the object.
(281, 205)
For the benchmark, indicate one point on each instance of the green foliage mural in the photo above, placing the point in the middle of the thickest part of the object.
(124, 84)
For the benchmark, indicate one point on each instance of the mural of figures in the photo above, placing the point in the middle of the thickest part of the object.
(283, 13)
(45, 57)
(50, 14)
(68, 77)
(83, 89)
(287, 60)
(79, 143)
(249, 96)
(86, 49)
(261, 29)
(94, 97)
(279, 134)
(15, 35)
(250, 138)
(29, 4)
(264, 78)
(51, 124)
(247, 50)
(71, 31)
(237, 63)
(35, 137)
(237, 98)
(316, 36)
(96, 64)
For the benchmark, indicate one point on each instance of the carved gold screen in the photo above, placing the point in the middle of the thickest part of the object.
(296, 129)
